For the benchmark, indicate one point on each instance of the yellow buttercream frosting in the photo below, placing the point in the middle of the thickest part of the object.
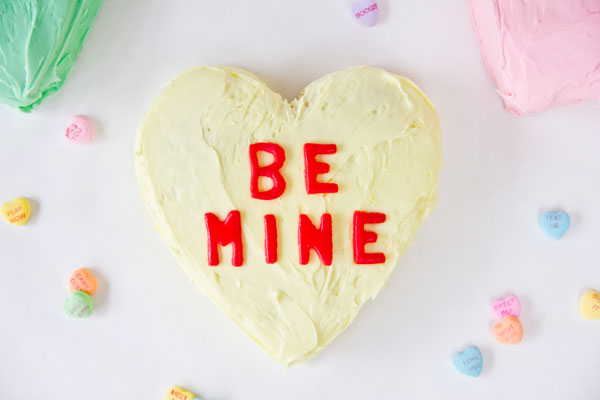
(192, 158)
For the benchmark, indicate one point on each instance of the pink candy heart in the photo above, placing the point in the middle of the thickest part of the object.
(365, 12)
(510, 305)
(80, 130)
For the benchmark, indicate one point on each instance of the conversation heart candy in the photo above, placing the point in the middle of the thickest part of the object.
(16, 212)
(589, 305)
(554, 224)
(509, 330)
(80, 130)
(469, 361)
(82, 279)
(178, 393)
(510, 305)
(78, 305)
(365, 12)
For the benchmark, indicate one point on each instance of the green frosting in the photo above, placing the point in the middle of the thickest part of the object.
(39, 43)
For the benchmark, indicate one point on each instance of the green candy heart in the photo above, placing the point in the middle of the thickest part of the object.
(39, 43)
(79, 305)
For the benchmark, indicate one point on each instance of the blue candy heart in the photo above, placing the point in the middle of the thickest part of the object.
(554, 224)
(469, 361)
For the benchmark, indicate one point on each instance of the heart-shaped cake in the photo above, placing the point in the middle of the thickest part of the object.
(221, 158)
(39, 43)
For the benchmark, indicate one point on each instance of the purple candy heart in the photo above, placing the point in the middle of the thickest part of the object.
(365, 12)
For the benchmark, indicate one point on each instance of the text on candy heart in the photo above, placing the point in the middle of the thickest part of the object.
(319, 239)
(366, 10)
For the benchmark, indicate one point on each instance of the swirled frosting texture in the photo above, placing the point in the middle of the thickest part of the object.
(540, 53)
(192, 157)
(39, 43)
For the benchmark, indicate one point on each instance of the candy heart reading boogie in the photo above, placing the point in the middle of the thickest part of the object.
(554, 224)
(194, 150)
(589, 305)
(510, 305)
(509, 330)
(16, 212)
(469, 361)
(365, 12)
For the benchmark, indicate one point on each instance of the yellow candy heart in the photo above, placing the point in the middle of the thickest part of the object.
(16, 212)
(589, 305)
(178, 393)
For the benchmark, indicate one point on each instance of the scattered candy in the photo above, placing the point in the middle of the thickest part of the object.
(178, 393)
(510, 305)
(83, 280)
(16, 212)
(589, 305)
(80, 130)
(365, 12)
(554, 224)
(469, 361)
(78, 305)
(509, 330)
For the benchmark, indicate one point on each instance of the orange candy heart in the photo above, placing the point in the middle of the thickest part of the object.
(509, 330)
(83, 280)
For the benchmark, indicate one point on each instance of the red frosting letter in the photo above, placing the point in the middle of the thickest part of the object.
(270, 239)
(320, 240)
(312, 168)
(223, 233)
(269, 171)
(362, 237)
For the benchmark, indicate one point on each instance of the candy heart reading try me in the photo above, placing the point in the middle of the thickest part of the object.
(192, 158)
(39, 43)
(469, 361)
(589, 305)
(554, 224)
(509, 330)
(16, 212)
(510, 305)
(365, 12)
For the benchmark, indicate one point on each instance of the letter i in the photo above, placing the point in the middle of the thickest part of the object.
(270, 239)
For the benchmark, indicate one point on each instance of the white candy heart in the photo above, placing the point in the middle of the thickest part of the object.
(192, 158)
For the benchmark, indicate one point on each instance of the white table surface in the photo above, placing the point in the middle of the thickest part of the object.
(152, 328)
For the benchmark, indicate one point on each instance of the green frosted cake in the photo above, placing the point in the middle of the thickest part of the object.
(39, 43)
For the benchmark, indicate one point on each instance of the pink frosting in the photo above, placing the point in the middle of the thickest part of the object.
(540, 53)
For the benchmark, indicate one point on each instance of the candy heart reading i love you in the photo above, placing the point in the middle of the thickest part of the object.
(82, 279)
(365, 12)
(540, 53)
(509, 330)
(39, 43)
(469, 361)
(554, 224)
(589, 305)
(510, 305)
(78, 305)
(80, 130)
(286, 260)
(16, 212)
